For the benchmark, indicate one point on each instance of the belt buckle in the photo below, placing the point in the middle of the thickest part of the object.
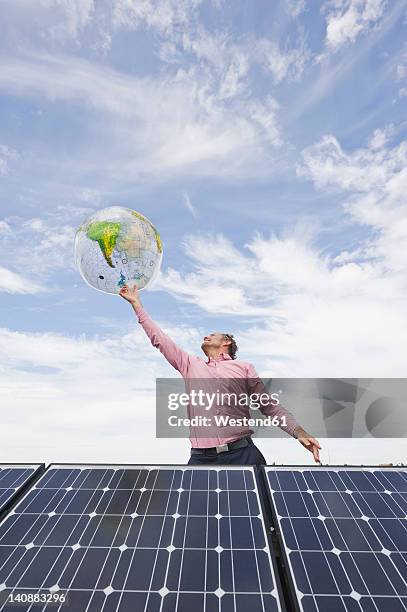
(222, 448)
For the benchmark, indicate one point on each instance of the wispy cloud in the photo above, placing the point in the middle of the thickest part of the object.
(90, 24)
(171, 125)
(40, 247)
(164, 17)
(198, 115)
(56, 22)
(189, 206)
(330, 70)
(224, 62)
(288, 64)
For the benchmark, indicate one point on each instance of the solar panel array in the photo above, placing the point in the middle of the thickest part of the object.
(12, 478)
(344, 535)
(167, 538)
(136, 538)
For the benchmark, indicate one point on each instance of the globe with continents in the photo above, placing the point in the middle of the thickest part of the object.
(118, 246)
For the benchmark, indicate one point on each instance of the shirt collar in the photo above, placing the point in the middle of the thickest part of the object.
(222, 357)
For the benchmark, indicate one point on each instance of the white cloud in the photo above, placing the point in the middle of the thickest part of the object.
(56, 21)
(376, 180)
(7, 154)
(401, 71)
(265, 115)
(89, 195)
(227, 60)
(40, 251)
(224, 62)
(288, 64)
(315, 316)
(227, 63)
(212, 283)
(60, 408)
(295, 7)
(91, 24)
(318, 312)
(348, 19)
(163, 16)
(176, 26)
(380, 137)
(12, 282)
(328, 165)
(4, 227)
(40, 246)
(71, 17)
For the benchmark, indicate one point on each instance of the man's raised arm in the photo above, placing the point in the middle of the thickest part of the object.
(176, 356)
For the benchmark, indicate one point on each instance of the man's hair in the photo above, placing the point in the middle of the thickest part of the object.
(232, 347)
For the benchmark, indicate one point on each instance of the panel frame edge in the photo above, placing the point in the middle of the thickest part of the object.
(24, 489)
(294, 602)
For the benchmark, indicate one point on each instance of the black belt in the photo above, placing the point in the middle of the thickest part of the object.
(222, 448)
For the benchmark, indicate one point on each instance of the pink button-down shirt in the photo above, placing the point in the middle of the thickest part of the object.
(244, 375)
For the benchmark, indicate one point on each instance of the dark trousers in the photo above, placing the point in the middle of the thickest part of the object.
(248, 455)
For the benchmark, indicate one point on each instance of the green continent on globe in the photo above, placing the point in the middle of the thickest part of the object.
(105, 233)
(156, 234)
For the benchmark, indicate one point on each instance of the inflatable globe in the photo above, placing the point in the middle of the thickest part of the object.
(117, 246)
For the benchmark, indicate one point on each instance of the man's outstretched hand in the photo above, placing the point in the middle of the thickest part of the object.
(130, 294)
(309, 443)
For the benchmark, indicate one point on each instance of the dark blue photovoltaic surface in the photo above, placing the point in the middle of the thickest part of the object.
(345, 535)
(132, 539)
(12, 478)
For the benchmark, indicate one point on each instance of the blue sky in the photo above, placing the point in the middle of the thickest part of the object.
(266, 142)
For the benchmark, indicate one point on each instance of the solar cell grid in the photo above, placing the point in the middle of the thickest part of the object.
(135, 538)
(344, 532)
(12, 478)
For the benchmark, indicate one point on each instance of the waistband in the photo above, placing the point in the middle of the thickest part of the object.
(222, 448)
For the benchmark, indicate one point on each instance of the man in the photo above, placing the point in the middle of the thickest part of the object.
(220, 350)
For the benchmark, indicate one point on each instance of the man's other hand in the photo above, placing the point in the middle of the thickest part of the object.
(309, 443)
(130, 294)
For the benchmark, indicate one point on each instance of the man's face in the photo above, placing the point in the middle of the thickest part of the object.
(215, 341)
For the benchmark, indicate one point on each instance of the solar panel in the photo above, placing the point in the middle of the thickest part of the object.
(13, 477)
(344, 535)
(137, 538)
